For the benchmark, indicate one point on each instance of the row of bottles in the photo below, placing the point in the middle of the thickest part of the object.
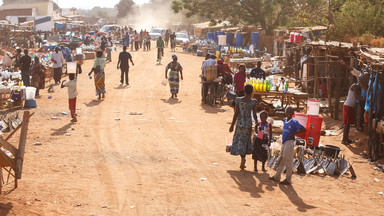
(259, 85)
(235, 49)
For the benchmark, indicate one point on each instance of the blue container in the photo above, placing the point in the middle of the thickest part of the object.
(239, 40)
(217, 36)
(46, 48)
(210, 36)
(230, 37)
(256, 40)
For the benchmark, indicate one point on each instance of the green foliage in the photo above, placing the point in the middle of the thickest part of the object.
(359, 17)
(267, 13)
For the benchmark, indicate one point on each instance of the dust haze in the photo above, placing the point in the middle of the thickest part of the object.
(151, 15)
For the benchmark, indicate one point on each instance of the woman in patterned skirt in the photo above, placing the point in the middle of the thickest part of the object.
(242, 142)
(98, 68)
(174, 80)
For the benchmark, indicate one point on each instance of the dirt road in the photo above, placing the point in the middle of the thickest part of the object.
(152, 164)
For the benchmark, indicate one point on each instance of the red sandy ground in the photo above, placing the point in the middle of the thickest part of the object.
(153, 165)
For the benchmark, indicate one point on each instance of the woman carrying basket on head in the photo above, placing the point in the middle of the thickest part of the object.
(174, 75)
(98, 68)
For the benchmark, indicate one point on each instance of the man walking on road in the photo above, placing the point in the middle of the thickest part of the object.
(123, 64)
(58, 61)
(25, 65)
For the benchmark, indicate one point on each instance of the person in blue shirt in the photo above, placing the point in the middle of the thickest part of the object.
(67, 54)
(290, 129)
(126, 39)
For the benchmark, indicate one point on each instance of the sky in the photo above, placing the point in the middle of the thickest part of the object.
(85, 4)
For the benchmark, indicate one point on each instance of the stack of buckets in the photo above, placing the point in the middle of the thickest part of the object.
(312, 122)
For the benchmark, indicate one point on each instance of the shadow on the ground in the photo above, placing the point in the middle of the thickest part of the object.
(247, 182)
(60, 131)
(93, 103)
(5, 208)
(295, 199)
(121, 86)
(213, 109)
(171, 101)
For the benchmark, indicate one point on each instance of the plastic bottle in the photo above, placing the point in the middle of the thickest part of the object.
(286, 85)
(264, 86)
(268, 86)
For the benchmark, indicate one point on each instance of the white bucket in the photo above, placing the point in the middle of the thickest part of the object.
(222, 40)
(313, 107)
(79, 50)
(71, 67)
(30, 93)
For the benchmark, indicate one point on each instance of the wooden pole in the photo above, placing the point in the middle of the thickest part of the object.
(22, 142)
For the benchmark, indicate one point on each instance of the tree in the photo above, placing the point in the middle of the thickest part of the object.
(269, 14)
(318, 12)
(359, 17)
(124, 7)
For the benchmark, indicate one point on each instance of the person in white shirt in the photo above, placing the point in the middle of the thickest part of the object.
(349, 113)
(72, 94)
(58, 60)
(109, 49)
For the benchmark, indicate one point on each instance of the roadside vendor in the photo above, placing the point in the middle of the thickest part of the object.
(239, 80)
(257, 72)
(67, 54)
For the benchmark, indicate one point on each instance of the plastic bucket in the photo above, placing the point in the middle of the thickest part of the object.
(71, 67)
(46, 48)
(303, 120)
(79, 50)
(30, 93)
(313, 107)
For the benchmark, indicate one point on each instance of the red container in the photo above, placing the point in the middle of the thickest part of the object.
(292, 37)
(313, 130)
(303, 120)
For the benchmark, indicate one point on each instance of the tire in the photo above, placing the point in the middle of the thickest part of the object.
(212, 98)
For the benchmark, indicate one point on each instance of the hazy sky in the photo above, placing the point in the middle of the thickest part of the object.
(89, 4)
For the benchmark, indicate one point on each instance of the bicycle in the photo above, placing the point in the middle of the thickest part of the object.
(216, 91)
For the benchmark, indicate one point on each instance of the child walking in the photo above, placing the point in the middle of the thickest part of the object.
(72, 94)
(262, 140)
(291, 128)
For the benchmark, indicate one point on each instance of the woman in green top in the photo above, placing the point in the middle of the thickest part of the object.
(160, 48)
(98, 68)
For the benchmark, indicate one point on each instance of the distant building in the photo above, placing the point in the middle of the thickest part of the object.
(27, 9)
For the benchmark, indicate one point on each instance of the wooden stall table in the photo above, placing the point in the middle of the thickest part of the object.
(233, 62)
(292, 97)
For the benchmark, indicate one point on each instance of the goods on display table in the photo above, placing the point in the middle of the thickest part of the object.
(12, 89)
